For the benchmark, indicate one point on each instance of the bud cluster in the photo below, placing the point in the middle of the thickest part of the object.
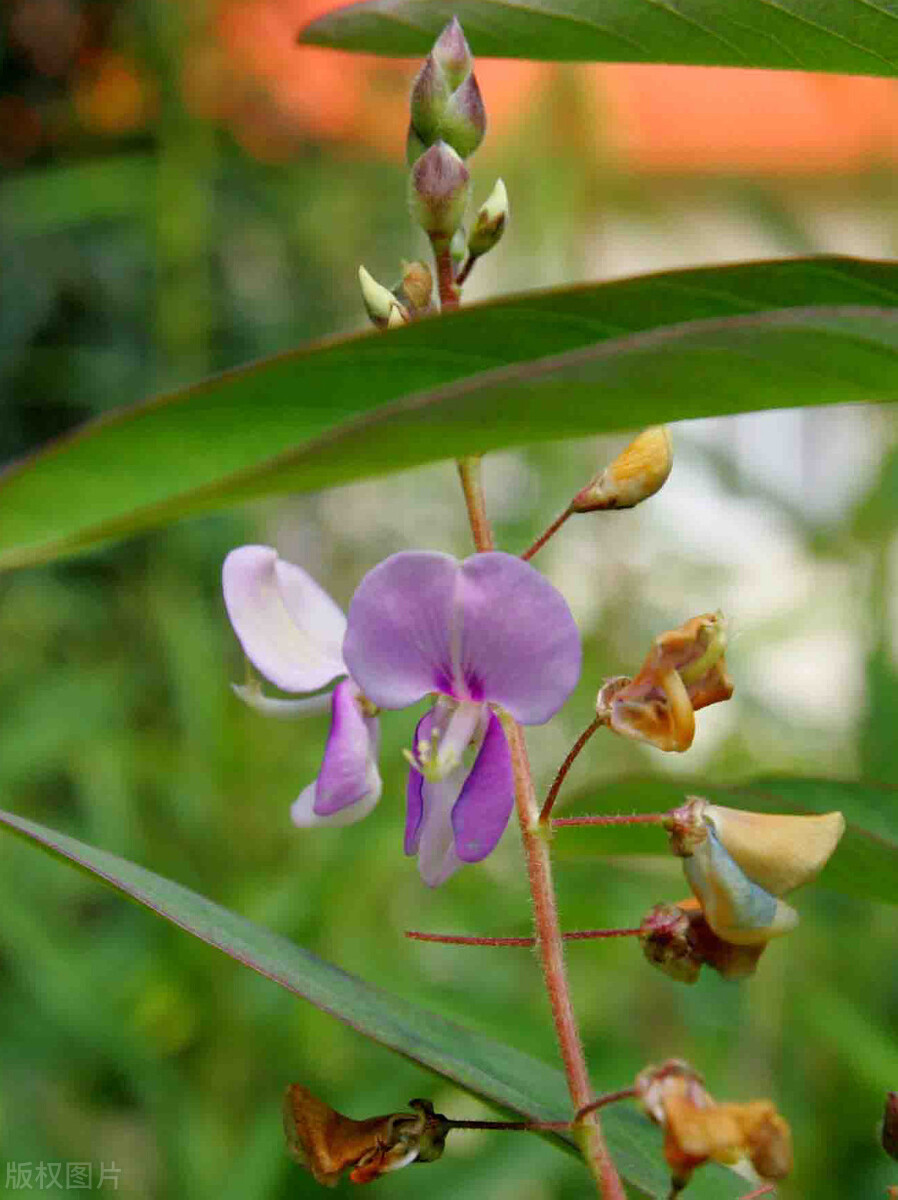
(446, 105)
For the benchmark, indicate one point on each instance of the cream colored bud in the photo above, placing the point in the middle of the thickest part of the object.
(490, 222)
(637, 473)
(380, 303)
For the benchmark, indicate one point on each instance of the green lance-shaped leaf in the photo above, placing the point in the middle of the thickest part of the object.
(479, 1064)
(854, 37)
(543, 365)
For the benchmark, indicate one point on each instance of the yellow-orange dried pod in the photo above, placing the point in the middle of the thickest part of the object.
(637, 473)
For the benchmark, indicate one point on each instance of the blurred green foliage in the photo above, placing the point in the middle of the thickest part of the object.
(141, 262)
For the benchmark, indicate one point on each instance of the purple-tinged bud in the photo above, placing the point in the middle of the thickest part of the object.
(430, 96)
(890, 1125)
(446, 104)
(490, 222)
(438, 191)
(452, 52)
(463, 121)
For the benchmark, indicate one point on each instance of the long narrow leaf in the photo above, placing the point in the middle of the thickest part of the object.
(857, 37)
(534, 367)
(479, 1064)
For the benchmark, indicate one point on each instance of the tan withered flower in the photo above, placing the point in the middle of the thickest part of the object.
(739, 864)
(685, 670)
(328, 1144)
(777, 851)
(678, 940)
(698, 1130)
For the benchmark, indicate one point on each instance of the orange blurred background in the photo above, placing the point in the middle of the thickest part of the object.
(242, 69)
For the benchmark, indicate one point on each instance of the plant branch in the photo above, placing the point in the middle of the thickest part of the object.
(551, 952)
(544, 537)
(466, 270)
(617, 819)
(577, 935)
(472, 486)
(626, 1093)
(548, 933)
(446, 286)
(564, 768)
(518, 1126)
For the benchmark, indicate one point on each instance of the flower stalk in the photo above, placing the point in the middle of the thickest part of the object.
(559, 779)
(551, 953)
(576, 935)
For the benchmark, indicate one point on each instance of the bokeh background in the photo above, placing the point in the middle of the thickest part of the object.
(184, 189)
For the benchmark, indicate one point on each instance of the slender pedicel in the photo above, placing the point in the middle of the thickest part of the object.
(617, 819)
(548, 533)
(626, 1093)
(581, 741)
(577, 935)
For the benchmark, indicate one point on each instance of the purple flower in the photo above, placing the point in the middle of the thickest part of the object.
(292, 632)
(487, 631)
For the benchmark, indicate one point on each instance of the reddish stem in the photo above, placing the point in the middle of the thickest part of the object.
(466, 270)
(472, 486)
(544, 537)
(564, 768)
(626, 1093)
(769, 1189)
(522, 1126)
(548, 933)
(577, 935)
(446, 285)
(551, 951)
(623, 819)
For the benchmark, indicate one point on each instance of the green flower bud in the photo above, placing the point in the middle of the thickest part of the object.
(438, 191)
(490, 222)
(463, 122)
(453, 54)
(446, 104)
(430, 96)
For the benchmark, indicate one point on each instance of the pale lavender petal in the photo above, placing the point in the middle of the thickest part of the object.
(273, 706)
(349, 769)
(490, 628)
(520, 645)
(302, 812)
(290, 629)
(398, 643)
(437, 858)
(486, 800)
